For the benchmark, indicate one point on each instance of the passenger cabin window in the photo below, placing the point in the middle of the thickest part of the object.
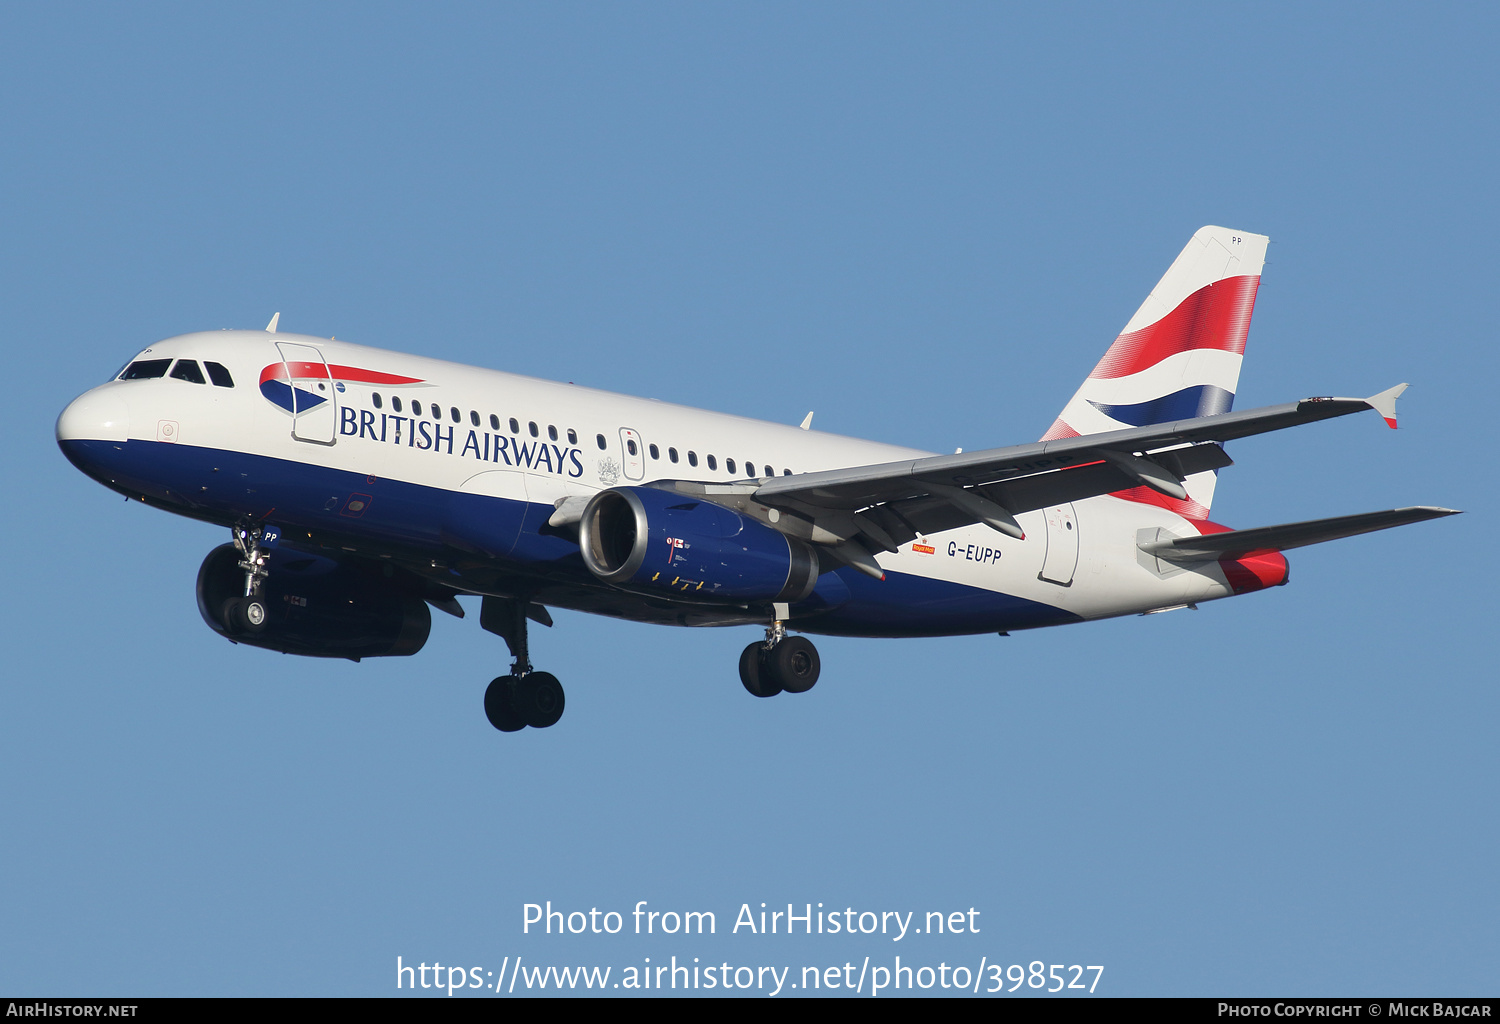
(532, 427)
(473, 417)
(729, 465)
(375, 397)
(655, 451)
(515, 425)
(494, 422)
(692, 458)
(219, 374)
(672, 454)
(600, 439)
(145, 369)
(453, 411)
(552, 432)
(416, 408)
(630, 445)
(396, 402)
(572, 436)
(749, 469)
(713, 463)
(187, 369)
(786, 472)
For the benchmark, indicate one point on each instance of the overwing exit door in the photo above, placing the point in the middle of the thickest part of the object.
(634, 454)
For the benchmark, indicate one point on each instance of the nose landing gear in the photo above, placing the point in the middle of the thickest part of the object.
(524, 697)
(248, 614)
(780, 663)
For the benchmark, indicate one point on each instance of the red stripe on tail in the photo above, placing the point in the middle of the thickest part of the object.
(1216, 316)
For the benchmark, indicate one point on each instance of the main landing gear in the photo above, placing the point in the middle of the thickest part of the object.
(524, 697)
(248, 614)
(780, 662)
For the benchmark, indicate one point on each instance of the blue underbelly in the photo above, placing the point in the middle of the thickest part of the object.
(497, 536)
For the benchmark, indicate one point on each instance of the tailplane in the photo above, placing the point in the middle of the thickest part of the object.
(1179, 356)
(1231, 543)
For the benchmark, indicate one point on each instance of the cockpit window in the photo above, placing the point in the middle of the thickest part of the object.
(187, 369)
(219, 374)
(145, 369)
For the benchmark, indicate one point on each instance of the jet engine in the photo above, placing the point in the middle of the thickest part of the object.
(654, 541)
(312, 606)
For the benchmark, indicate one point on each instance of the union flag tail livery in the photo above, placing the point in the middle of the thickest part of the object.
(362, 488)
(1179, 357)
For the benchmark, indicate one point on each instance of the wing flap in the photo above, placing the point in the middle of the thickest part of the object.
(1044, 490)
(933, 513)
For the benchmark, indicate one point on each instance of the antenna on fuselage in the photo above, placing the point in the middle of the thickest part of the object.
(271, 327)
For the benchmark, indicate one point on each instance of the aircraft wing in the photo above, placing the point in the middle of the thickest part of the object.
(862, 509)
(1289, 535)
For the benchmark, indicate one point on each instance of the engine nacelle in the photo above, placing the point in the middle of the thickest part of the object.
(316, 607)
(649, 540)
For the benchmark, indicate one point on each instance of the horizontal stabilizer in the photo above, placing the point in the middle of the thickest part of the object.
(1289, 535)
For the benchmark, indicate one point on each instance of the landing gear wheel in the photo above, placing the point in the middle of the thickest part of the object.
(753, 673)
(524, 697)
(498, 707)
(539, 699)
(793, 664)
(245, 615)
(254, 612)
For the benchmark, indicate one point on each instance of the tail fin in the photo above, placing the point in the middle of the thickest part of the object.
(1179, 356)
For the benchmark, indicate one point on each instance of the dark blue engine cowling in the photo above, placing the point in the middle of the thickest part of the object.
(644, 539)
(317, 607)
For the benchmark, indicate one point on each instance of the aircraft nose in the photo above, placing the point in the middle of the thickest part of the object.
(97, 415)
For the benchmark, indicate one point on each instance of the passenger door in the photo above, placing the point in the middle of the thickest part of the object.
(314, 407)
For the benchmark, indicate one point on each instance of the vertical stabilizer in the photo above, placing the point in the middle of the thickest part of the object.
(1179, 356)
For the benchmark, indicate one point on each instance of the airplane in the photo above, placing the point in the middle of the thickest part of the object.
(363, 487)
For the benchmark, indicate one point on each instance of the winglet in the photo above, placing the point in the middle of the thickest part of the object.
(1385, 403)
(271, 327)
(807, 422)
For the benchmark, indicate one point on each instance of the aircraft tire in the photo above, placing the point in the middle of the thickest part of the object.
(540, 699)
(245, 616)
(499, 709)
(794, 664)
(757, 681)
(255, 614)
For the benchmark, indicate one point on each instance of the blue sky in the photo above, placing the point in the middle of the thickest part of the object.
(923, 222)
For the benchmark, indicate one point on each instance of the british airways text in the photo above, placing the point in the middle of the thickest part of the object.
(426, 435)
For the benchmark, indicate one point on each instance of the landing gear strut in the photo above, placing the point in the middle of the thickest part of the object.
(525, 697)
(780, 662)
(248, 613)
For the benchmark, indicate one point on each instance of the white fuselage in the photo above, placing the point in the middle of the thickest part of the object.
(436, 430)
